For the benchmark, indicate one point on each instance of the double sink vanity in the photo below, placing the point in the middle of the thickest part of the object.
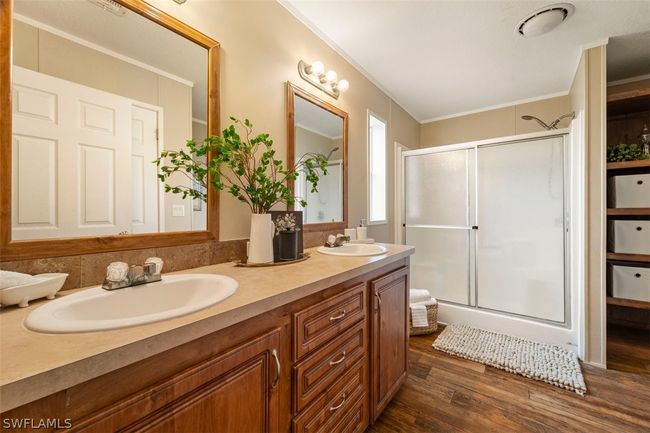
(316, 346)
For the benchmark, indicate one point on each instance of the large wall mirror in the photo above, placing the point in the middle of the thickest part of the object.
(98, 89)
(317, 127)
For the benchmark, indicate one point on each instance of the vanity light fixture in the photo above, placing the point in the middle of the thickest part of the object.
(110, 6)
(180, 2)
(328, 82)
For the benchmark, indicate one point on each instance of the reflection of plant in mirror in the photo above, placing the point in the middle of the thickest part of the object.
(286, 223)
(246, 167)
(625, 152)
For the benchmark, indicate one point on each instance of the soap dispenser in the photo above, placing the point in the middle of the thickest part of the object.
(362, 230)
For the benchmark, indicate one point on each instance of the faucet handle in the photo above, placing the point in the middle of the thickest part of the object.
(157, 263)
(117, 271)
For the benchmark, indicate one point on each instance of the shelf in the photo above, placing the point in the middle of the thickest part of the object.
(628, 303)
(630, 94)
(644, 258)
(642, 163)
(629, 211)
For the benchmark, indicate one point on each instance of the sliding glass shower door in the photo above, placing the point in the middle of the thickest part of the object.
(438, 221)
(488, 225)
(520, 240)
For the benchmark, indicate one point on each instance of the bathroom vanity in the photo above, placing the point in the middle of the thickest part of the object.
(318, 346)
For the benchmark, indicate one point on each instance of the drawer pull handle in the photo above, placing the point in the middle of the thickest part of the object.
(276, 380)
(638, 229)
(339, 317)
(338, 406)
(639, 182)
(378, 298)
(637, 275)
(338, 361)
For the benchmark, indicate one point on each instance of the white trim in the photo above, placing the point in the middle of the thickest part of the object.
(312, 130)
(494, 107)
(100, 49)
(399, 202)
(629, 80)
(199, 121)
(602, 149)
(341, 52)
(594, 44)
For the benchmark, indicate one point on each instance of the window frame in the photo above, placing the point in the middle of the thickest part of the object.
(369, 220)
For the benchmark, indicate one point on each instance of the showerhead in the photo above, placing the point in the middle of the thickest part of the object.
(331, 152)
(553, 124)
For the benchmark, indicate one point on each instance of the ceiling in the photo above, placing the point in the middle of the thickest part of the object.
(316, 119)
(130, 35)
(628, 56)
(441, 58)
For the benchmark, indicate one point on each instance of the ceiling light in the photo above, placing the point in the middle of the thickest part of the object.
(544, 20)
(110, 6)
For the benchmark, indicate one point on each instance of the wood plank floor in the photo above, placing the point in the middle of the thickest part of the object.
(448, 394)
(628, 349)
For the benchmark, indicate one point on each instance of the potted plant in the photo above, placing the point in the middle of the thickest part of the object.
(247, 168)
(287, 229)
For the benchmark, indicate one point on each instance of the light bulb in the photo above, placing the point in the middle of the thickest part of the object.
(343, 85)
(317, 68)
(331, 76)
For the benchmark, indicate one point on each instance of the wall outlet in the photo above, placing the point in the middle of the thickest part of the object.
(178, 210)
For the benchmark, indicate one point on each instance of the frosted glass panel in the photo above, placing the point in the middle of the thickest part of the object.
(520, 244)
(437, 188)
(441, 262)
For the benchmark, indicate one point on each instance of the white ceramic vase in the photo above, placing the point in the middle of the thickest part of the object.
(260, 249)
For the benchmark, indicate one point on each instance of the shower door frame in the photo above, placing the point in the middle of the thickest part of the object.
(473, 286)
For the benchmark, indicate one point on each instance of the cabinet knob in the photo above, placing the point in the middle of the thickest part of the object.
(639, 182)
(637, 275)
(639, 228)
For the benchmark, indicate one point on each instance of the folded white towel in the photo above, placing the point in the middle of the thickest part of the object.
(430, 301)
(419, 315)
(12, 279)
(418, 295)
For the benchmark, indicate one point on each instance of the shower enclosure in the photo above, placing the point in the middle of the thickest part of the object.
(489, 222)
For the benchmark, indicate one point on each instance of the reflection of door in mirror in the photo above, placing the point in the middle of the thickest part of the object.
(85, 138)
(318, 131)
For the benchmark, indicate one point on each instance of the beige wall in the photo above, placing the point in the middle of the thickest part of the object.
(53, 55)
(499, 122)
(261, 44)
(311, 142)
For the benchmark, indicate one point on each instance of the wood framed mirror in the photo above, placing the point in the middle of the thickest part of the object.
(316, 126)
(90, 93)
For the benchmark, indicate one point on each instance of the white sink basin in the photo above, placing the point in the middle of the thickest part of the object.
(97, 309)
(354, 250)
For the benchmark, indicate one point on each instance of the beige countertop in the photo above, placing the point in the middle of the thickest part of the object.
(34, 365)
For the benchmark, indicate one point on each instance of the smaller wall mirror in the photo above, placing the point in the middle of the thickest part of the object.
(317, 127)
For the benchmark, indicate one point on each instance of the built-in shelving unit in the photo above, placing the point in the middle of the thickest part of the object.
(627, 112)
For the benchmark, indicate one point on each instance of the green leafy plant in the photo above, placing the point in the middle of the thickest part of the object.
(625, 152)
(245, 166)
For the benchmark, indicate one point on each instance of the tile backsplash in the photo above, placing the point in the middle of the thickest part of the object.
(90, 269)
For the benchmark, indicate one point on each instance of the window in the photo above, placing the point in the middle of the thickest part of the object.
(376, 170)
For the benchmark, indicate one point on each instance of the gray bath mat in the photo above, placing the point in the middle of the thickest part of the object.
(545, 362)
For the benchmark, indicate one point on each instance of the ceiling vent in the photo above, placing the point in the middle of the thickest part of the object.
(544, 20)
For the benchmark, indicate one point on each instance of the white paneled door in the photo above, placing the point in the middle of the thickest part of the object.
(144, 150)
(71, 159)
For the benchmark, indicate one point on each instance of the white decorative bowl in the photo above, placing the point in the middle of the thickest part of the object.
(46, 286)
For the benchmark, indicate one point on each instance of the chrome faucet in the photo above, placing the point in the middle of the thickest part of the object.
(120, 275)
(336, 241)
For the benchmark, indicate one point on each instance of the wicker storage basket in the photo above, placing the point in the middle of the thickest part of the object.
(432, 318)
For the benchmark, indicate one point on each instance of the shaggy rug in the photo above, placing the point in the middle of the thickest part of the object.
(548, 363)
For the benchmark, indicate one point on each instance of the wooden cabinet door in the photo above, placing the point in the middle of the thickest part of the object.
(237, 391)
(389, 360)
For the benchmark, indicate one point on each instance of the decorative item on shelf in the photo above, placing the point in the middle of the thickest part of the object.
(286, 229)
(625, 152)
(644, 141)
(328, 81)
(247, 168)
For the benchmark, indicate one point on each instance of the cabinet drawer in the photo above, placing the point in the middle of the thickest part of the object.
(316, 373)
(632, 237)
(354, 421)
(333, 404)
(317, 324)
(632, 190)
(629, 282)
